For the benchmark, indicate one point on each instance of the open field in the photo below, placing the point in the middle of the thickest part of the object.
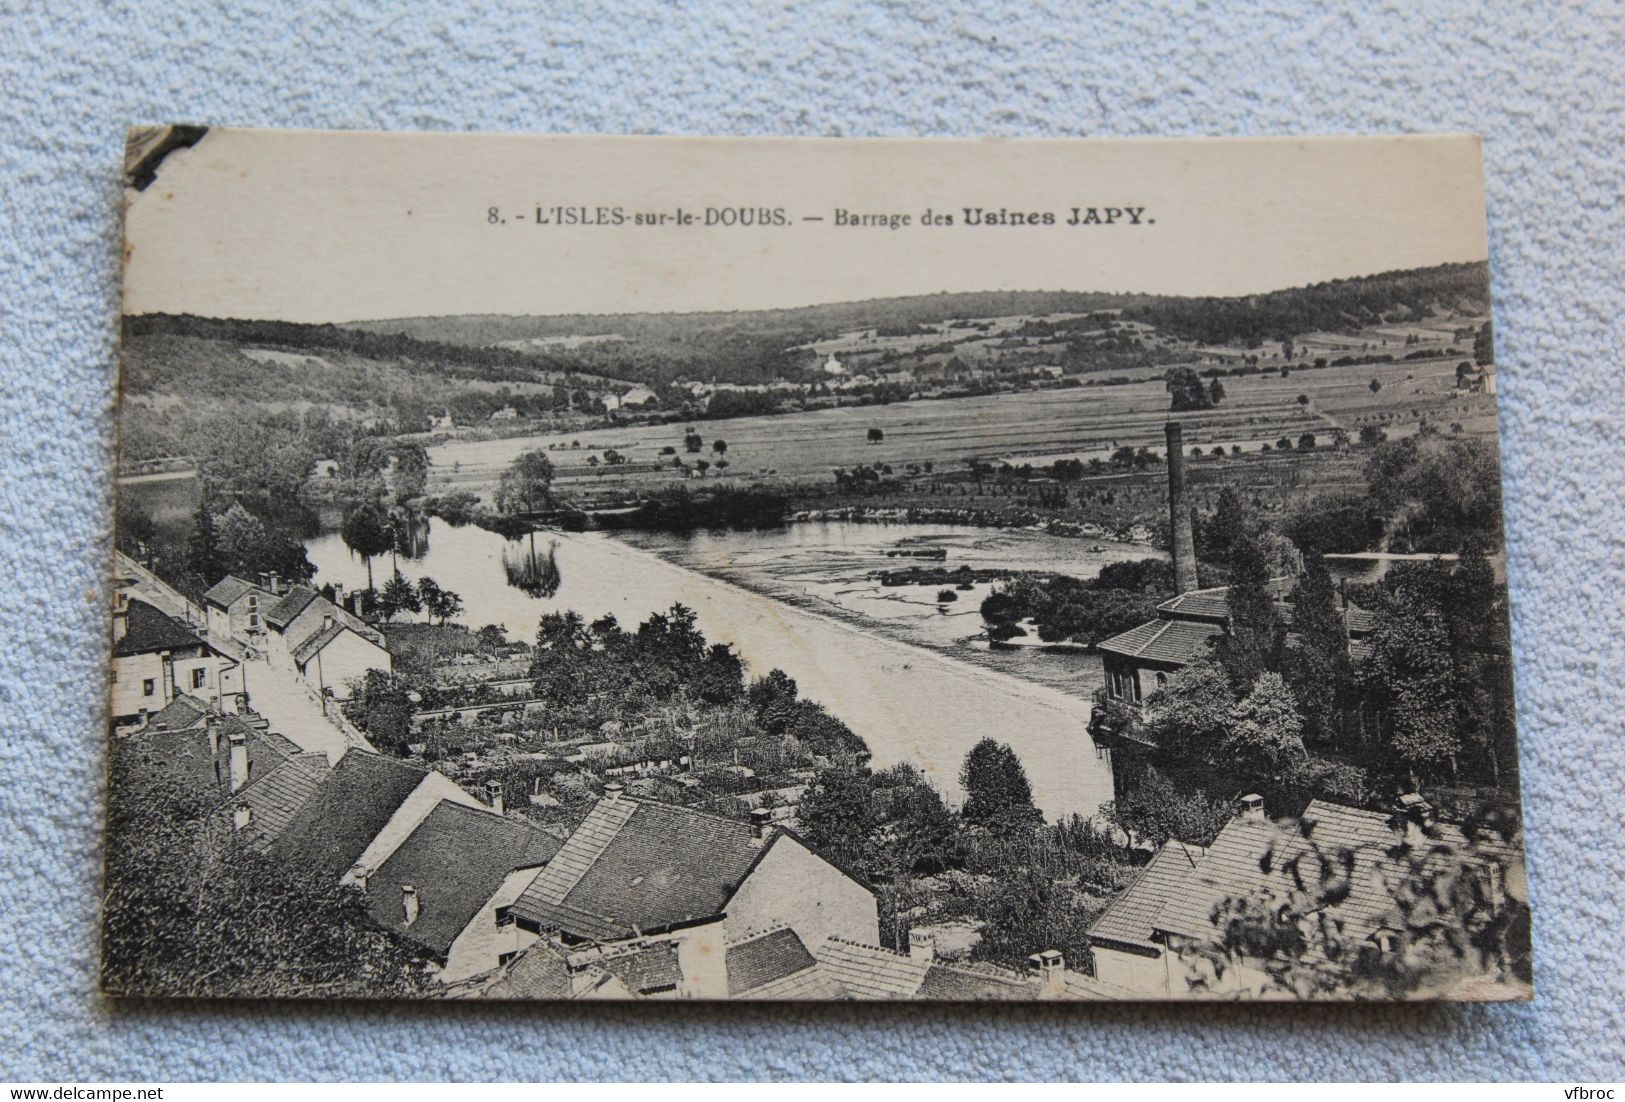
(1034, 427)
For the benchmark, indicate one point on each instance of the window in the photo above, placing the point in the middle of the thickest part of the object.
(1162, 679)
(200, 678)
(149, 687)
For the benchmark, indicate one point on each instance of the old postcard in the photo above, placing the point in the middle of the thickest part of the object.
(581, 568)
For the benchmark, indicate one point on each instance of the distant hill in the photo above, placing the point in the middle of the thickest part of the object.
(763, 345)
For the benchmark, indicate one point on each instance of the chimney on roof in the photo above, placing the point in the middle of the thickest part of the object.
(922, 945)
(338, 594)
(121, 618)
(493, 792)
(1182, 539)
(409, 903)
(237, 758)
(1049, 969)
(276, 582)
(1415, 819)
(359, 874)
(761, 823)
(1252, 807)
(327, 621)
(241, 816)
(614, 790)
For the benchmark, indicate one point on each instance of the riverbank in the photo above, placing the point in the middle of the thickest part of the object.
(908, 702)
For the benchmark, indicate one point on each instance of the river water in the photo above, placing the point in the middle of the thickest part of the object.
(897, 671)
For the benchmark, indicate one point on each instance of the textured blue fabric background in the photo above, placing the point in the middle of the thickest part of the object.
(1543, 86)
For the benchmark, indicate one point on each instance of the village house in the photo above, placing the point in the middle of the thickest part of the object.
(444, 884)
(236, 609)
(1138, 662)
(506, 413)
(204, 749)
(365, 808)
(326, 645)
(156, 657)
(1142, 941)
(642, 873)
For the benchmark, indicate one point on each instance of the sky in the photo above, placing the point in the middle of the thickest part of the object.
(317, 226)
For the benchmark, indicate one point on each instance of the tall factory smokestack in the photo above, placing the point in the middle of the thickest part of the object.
(1179, 513)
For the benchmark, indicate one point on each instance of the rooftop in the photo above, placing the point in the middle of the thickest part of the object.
(148, 631)
(635, 866)
(332, 829)
(455, 859)
(276, 797)
(1344, 851)
(870, 972)
(290, 606)
(1175, 641)
(228, 591)
(764, 960)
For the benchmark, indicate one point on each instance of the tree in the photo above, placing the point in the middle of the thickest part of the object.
(191, 909)
(838, 812)
(1375, 385)
(438, 602)
(1307, 442)
(1217, 536)
(1371, 436)
(1156, 810)
(366, 532)
(693, 441)
(1188, 718)
(526, 486)
(1484, 346)
(398, 596)
(203, 547)
(876, 436)
(1185, 385)
(997, 795)
(381, 710)
(722, 676)
(1409, 677)
(1249, 644)
(1215, 392)
(719, 446)
(1316, 664)
(1265, 736)
(1303, 399)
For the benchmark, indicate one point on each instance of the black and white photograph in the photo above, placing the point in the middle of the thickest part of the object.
(553, 568)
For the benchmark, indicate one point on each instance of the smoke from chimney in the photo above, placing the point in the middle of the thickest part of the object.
(1182, 538)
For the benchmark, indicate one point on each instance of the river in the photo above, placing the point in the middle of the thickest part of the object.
(910, 701)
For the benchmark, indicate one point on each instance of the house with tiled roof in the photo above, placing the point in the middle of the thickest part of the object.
(1140, 661)
(263, 808)
(444, 884)
(1348, 861)
(542, 971)
(327, 646)
(637, 870)
(236, 608)
(157, 657)
(777, 965)
(866, 971)
(366, 806)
